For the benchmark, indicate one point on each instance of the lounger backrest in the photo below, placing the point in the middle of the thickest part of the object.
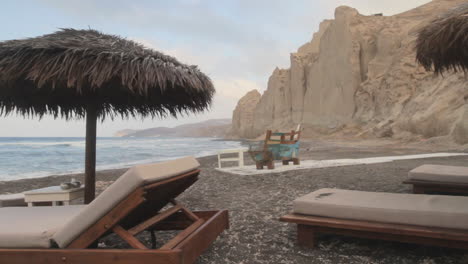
(135, 177)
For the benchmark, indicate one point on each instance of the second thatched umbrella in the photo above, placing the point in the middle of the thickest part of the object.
(443, 44)
(84, 73)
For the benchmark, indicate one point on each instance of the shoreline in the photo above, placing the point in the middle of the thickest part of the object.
(31, 158)
(310, 149)
(430, 145)
(25, 184)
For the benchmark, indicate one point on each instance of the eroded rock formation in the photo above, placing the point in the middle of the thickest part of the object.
(243, 115)
(358, 75)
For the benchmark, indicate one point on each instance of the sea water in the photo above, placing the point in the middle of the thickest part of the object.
(37, 157)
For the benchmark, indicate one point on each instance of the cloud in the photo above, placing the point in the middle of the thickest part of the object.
(235, 88)
(228, 82)
(229, 39)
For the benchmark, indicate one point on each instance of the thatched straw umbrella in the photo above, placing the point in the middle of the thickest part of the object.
(443, 44)
(84, 73)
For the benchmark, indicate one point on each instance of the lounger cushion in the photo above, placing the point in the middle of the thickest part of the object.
(132, 179)
(33, 227)
(14, 199)
(439, 173)
(411, 209)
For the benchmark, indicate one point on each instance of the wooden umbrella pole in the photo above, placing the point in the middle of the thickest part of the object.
(90, 154)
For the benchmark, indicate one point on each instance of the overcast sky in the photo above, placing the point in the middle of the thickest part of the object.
(238, 43)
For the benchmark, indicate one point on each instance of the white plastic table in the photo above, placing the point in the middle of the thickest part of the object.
(53, 194)
(239, 158)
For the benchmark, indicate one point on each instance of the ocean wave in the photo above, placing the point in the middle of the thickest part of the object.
(31, 175)
(58, 144)
(34, 158)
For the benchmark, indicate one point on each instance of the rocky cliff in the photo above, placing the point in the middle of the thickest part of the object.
(243, 115)
(358, 76)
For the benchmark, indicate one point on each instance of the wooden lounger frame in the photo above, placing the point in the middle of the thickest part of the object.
(308, 227)
(422, 187)
(138, 212)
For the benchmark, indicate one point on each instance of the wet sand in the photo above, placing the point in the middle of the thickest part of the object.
(256, 202)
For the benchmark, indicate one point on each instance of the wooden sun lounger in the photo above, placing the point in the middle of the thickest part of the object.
(139, 212)
(309, 227)
(430, 178)
(436, 220)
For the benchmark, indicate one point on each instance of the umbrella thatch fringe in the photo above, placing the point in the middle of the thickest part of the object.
(63, 72)
(443, 44)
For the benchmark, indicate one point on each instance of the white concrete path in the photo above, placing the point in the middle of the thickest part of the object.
(312, 164)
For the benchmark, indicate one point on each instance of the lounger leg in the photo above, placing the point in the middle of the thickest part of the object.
(296, 161)
(259, 165)
(418, 189)
(285, 162)
(305, 236)
(270, 165)
(95, 244)
(153, 239)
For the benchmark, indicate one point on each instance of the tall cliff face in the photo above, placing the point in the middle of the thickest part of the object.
(243, 116)
(360, 72)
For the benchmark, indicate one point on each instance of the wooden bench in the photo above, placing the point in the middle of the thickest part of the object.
(239, 159)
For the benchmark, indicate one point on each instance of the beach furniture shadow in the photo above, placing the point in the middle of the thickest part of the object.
(143, 199)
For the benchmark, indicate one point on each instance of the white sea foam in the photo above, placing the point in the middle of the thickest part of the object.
(63, 143)
(39, 157)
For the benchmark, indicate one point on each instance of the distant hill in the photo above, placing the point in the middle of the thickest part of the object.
(209, 128)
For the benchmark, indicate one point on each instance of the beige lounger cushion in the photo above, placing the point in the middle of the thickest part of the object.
(15, 199)
(32, 227)
(411, 209)
(135, 177)
(439, 173)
